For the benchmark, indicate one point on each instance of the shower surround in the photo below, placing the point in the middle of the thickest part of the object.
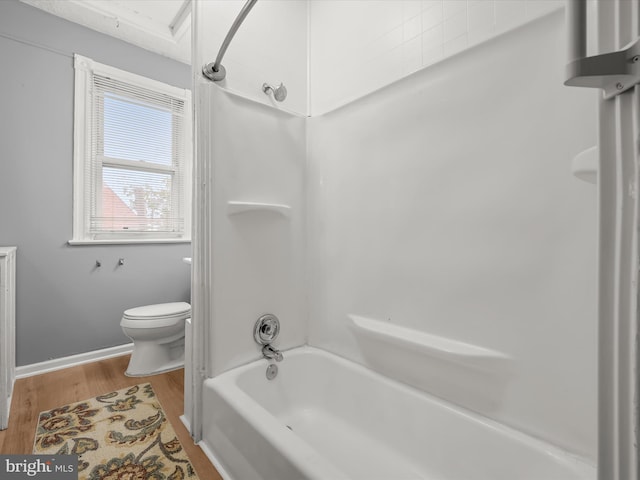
(430, 230)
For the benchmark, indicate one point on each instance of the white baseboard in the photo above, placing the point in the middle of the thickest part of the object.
(72, 361)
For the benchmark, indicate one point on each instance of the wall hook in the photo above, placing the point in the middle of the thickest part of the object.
(98, 263)
(279, 92)
(121, 261)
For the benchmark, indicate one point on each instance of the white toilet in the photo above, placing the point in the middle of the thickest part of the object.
(157, 332)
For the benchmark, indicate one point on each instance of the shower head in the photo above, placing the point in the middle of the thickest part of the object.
(279, 93)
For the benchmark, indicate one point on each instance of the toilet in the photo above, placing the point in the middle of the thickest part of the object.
(157, 332)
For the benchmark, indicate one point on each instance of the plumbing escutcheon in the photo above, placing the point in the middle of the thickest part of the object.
(266, 329)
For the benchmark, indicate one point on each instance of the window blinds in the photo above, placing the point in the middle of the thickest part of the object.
(135, 180)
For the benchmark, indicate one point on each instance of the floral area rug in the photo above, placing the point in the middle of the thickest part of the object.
(119, 435)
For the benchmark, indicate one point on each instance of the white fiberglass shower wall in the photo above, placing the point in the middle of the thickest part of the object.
(444, 204)
(254, 178)
(429, 196)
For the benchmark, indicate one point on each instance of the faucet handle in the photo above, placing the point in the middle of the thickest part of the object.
(266, 329)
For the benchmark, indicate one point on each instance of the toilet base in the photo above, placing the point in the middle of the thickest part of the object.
(151, 358)
(167, 368)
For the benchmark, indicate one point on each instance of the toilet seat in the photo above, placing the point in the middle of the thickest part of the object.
(156, 316)
(160, 310)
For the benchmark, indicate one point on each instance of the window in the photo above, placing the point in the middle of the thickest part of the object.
(132, 157)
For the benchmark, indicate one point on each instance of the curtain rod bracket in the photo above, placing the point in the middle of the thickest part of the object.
(215, 71)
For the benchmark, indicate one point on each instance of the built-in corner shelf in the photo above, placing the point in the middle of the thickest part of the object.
(427, 345)
(238, 208)
(585, 165)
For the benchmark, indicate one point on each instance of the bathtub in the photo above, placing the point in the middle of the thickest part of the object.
(324, 417)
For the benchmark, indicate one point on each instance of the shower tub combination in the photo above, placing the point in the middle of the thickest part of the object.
(324, 417)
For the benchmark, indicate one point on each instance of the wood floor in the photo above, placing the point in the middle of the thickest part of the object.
(33, 395)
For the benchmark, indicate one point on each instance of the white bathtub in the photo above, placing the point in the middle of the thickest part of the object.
(326, 418)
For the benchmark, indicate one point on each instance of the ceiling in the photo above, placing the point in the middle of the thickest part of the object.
(161, 26)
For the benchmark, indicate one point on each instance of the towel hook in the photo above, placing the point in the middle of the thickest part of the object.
(279, 92)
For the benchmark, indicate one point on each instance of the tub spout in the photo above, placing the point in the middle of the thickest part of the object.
(271, 353)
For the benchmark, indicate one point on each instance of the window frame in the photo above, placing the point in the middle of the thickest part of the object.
(82, 127)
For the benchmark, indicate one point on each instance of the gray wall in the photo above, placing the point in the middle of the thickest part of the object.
(64, 304)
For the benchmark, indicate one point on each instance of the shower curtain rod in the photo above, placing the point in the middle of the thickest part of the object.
(215, 71)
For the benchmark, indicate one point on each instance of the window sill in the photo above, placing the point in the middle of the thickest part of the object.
(125, 241)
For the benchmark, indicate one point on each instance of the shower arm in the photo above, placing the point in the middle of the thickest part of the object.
(215, 71)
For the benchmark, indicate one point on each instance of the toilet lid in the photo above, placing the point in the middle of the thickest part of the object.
(160, 310)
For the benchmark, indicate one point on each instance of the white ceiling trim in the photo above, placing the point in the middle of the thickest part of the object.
(168, 39)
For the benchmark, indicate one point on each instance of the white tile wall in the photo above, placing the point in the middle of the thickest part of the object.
(509, 12)
(357, 47)
(352, 47)
(431, 15)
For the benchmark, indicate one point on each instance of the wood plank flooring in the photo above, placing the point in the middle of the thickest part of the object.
(33, 395)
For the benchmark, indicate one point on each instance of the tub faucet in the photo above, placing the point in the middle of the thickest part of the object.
(271, 353)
